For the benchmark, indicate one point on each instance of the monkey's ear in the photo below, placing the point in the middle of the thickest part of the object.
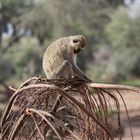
(75, 41)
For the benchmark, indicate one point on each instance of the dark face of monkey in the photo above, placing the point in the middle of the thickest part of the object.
(78, 43)
(77, 50)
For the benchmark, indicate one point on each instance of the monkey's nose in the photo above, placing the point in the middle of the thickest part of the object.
(83, 41)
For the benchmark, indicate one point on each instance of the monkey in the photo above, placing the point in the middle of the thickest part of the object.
(59, 60)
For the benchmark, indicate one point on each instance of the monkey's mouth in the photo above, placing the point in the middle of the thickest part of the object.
(77, 50)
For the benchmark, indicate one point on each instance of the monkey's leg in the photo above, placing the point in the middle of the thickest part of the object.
(64, 71)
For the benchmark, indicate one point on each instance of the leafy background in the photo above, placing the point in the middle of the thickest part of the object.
(112, 28)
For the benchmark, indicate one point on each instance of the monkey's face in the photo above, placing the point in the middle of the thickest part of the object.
(78, 43)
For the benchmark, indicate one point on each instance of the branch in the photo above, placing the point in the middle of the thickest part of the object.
(111, 86)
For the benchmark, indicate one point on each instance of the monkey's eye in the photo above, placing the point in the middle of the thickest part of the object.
(75, 41)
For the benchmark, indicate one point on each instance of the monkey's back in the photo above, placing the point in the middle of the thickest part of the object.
(55, 54)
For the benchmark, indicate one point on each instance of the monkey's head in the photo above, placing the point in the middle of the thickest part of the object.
(78, 42)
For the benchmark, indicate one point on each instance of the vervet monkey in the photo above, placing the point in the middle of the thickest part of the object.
(59, 60)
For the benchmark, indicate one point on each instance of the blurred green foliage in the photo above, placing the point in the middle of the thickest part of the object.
(113, 49)
(25, 57)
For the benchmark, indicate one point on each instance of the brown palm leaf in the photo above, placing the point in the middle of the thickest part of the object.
(61, 110)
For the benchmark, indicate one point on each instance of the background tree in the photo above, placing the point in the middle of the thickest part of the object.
(28, 27)
(118, 60)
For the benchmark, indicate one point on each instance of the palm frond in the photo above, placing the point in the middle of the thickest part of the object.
(58, 109)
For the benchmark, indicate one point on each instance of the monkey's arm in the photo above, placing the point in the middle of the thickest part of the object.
(67, 69)
(79, 73)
